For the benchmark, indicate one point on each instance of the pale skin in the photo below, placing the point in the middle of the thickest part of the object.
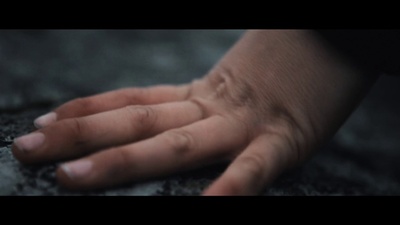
(266, 106)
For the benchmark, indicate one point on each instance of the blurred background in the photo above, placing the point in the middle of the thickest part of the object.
(40, 69)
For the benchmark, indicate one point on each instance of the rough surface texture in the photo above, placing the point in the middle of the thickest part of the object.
(41, 69)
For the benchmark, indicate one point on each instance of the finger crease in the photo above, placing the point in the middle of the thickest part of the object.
(200, 106)
(181, 141)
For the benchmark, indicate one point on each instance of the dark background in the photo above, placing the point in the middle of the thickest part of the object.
(40, 69)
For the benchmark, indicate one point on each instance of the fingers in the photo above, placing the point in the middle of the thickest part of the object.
(252, 170)
(79, 136)
(114, 100)
(201, 143)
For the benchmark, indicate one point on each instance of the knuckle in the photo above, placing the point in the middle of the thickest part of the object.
(77, 128)
(291, 133)
(231, 88)
(76, 106)
(134, 95)
(124, 159)
(82, 103)
(235, 186)
(290, 148)
(179, 140)
(253, 164)
(202, 109)
(142, 114)
(119, 163)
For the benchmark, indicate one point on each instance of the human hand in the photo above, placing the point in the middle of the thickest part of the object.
(273, 99)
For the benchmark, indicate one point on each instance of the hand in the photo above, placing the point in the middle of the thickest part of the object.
(272, 100)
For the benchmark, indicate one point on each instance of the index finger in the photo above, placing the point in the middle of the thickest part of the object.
(262, 161)
(113, 100)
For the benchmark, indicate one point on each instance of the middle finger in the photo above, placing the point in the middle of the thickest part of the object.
(79, 136)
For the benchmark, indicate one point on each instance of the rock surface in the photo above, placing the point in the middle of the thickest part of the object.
(41, 69)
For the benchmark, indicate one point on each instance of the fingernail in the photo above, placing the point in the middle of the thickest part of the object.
(29, 142)
(78, 169)
(45, 120)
